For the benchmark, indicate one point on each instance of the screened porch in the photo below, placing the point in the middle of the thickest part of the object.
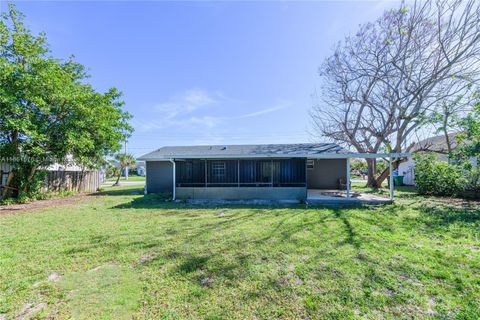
(241, 173)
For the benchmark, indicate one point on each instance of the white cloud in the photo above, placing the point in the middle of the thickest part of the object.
(189, 110)
(206, 121)
(282, 105)
(188, 102)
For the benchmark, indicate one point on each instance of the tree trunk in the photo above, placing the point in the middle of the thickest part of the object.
(31, 174)
(371, 170)
(447, 140)
(117, 183)
(386, 173)
(9, 187)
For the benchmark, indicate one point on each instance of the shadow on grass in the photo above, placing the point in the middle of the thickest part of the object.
(157, 201)
(352, 237)
(436, 214)
(120, 191)
(252, 242)
(111, 246)
(206, 269)
(192, 264)
(232, 246)
(441, 216)
(406, 189)
(399, 191)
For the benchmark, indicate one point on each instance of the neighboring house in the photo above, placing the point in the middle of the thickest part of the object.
(139, 167)
(141, 170)
(68, 165)
(437, 145)
(237, 172)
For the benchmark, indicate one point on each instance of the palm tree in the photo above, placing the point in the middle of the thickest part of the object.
(125, 160)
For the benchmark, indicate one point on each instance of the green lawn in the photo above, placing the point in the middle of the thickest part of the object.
(124, 255)
(130, 178)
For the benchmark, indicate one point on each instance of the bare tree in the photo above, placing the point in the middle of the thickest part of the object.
(449, 114)
(383, 84)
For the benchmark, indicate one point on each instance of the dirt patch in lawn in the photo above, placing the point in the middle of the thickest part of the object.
(40, 204)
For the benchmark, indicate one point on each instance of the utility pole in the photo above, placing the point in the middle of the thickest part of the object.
(126, 168)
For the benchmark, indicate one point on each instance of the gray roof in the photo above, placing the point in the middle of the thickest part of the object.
(245, 151)
(436, 144)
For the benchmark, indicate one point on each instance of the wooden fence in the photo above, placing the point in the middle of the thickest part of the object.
(81, 181)
(4, 171)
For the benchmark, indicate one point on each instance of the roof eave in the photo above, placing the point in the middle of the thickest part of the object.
(249, 156)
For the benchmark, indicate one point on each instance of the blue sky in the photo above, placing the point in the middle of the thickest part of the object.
(204, 72)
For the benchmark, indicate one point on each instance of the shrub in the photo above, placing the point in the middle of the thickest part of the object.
(37, 195)
(30, 187)
(472, 187)
(436, 177)
(165, 196)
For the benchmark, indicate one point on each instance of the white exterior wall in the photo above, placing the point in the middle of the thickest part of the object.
(407, 170)
(64, 167)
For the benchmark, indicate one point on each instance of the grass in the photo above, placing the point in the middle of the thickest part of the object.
(37, 196)
(125, 255)
(401, 192)
(130, 178)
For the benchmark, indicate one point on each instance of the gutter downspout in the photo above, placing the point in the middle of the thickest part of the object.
(145, 190)
(348, 178)
(174, 183)
(390, 178)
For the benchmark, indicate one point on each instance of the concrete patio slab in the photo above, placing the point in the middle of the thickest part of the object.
(339, 197)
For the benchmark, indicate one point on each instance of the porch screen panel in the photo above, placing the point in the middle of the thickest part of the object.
(289, 173)
(263, 174)
(247, 173)
(190, 173)
(222, 173)
(241, 173)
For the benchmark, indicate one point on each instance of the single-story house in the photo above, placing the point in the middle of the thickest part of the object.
(239, 172)
(141, 169)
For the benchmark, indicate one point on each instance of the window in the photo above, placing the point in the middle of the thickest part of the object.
(218, 169)
(310, 164)
(222, 173)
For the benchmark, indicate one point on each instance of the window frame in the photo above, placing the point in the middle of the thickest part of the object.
(219, 169)
(310, 164)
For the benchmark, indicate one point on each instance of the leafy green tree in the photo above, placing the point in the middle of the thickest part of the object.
(125, 160)
(112, 169)
(48, 110)
(358, 164)
(470, 134)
